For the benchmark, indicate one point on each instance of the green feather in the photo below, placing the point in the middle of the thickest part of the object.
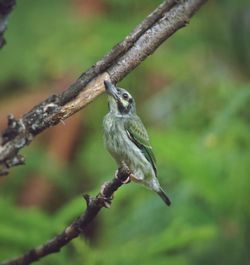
(139, 136)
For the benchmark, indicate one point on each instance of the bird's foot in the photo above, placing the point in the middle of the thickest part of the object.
(127, 180)
(124, 178)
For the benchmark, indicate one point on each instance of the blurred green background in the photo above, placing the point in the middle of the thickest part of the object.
(193, 95)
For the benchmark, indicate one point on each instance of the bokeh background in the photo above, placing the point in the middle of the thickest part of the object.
(193, 95)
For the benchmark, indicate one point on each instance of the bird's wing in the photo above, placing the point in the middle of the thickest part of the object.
(139, 136)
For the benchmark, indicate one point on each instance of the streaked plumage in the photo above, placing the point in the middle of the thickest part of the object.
(127, 139)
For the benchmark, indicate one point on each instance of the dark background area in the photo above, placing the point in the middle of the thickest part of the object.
(193, 95)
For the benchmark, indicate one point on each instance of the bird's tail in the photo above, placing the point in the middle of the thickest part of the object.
(164, 196)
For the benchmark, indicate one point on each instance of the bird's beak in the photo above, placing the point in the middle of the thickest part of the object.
(111, 89)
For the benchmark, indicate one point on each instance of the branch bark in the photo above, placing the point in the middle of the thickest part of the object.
(5, 8)
(137, 46)
(94, 205)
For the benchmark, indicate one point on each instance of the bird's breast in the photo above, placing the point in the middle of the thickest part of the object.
(121, 147)
(115, 140)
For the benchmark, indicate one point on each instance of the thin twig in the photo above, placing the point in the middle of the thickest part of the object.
(123, 58)
(94, 205)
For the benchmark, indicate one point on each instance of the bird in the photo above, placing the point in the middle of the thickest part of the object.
(127, 140)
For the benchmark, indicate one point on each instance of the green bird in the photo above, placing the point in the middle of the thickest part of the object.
(127, 139)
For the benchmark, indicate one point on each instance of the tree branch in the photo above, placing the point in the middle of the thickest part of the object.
(94, 205)
(137, 46)
(5, 8)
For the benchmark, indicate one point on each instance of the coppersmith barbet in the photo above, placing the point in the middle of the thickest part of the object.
(127, 139)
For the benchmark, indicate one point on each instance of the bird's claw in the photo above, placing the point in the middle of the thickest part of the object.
(127, 180)
(123, 181)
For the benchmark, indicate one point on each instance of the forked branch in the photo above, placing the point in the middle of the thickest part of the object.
(170, 16)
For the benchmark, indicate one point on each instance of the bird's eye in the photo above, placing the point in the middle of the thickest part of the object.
(125, 96)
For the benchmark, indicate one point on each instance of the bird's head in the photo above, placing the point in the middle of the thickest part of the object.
(120, 101)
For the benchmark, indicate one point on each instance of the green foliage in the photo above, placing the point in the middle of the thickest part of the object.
(193, 95)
